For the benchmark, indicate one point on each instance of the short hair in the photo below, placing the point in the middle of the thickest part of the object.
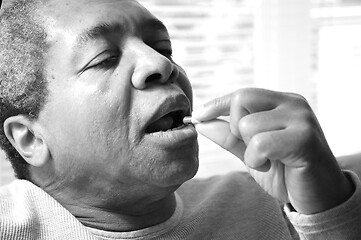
(23, 87)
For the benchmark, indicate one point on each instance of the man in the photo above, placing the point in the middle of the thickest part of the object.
(92, 106)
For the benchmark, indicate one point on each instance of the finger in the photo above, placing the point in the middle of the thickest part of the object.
(255, 156)
(257, 99)
(219, 132)
(255, 123)
(249, 102)
(280, 145)
(250, 99)
(213, 109)
(237, 112)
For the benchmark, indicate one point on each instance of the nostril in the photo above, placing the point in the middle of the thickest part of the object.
(154, 77)
(174, 75)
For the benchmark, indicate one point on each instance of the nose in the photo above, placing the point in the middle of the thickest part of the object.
(150, 66)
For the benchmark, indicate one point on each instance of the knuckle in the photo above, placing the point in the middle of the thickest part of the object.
(306, 119)
(244, 125)
(237, 96)
(307, 135)
(244, 93)
(300, 109)
(309, 118)
(216, 103)
(258, 145)
(300, 102)
(295, 96)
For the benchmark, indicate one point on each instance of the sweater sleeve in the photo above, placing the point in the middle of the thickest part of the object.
(341, 222)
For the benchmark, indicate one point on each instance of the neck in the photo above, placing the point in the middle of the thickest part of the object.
(115, 212)
(124, 218)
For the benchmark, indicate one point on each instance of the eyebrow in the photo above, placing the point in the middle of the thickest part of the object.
(154, 24)
(105, 28)
(98, 31)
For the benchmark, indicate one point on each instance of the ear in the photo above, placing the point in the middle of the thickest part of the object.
(29, 143)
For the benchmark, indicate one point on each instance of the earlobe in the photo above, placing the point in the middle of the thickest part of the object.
(30, 145)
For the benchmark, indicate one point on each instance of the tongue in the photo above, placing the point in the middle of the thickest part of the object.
(162, 124)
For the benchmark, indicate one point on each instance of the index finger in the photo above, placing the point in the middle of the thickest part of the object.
(239, 104)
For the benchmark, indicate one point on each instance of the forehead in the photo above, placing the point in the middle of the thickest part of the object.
(75, 16)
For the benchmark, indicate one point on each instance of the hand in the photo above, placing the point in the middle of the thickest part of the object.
(279, 139)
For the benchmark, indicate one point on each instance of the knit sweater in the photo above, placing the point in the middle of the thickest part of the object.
(223, 207)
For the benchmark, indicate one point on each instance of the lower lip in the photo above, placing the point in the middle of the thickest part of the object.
(173, 138)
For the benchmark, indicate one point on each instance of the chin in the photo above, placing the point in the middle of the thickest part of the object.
(177, 170)
(164, 167)
(178, 179)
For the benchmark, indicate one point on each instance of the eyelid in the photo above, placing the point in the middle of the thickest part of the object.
(164, 47)
(165, 52)
(100, 58)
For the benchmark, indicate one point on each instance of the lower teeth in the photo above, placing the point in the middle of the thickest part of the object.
(176, 128)
(179, 127)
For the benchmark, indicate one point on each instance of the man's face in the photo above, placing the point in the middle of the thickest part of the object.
(114, 97)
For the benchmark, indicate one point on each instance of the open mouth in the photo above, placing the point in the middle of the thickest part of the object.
(169, 122)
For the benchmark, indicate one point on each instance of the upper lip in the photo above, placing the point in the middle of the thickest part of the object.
(173, 103)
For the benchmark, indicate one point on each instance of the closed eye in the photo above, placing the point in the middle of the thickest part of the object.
(166, 52)
(104, 60)
(106, 63)
(163, 47)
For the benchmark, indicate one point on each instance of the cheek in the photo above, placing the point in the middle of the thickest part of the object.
(89, 128)
(101, 124)
(91, 142)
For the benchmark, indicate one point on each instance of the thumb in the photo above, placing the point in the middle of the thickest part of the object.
(219, 132)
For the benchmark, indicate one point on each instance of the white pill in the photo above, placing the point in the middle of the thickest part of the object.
(190, 120)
